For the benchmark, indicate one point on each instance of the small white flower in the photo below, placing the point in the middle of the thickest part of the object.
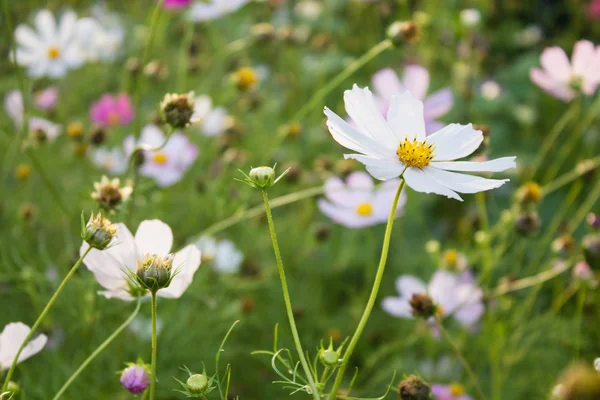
(13, 104)
(213, 9)
(99, 42)
(51, 50)
(399, 146)
(152, 237)
(470, 17)
(223, 254)
(308, 9)
(490, 90)
(212, 121)
(597, 364)
(113, 161)
(12, 338)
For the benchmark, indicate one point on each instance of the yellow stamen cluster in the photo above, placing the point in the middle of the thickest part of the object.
(456, 389)
(364, 209)
(450, 257)
(53, 52)
(414, 153)
(245, 78)
(160, 158)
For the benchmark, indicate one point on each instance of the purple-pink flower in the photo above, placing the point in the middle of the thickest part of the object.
(594, 9)
(454, 391)
(112, 110)
(358, 203)
(416, 80)
(176, 4)
(135, 379)
(46, 99)
(562, 78)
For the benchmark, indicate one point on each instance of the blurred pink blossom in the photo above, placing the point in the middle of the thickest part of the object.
(176, 4)
(563, 79)
(46, 99)
(594, 9)
(416, 80)
(449, 392)
(112, 110)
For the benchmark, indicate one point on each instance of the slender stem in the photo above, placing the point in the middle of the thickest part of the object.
(48, 183)
(41, 317)
(579, 317)
(374, 291)
(569, 177)
(287, 300)
(154, 352)
(462, 359)
(530, 280)
(98, 350)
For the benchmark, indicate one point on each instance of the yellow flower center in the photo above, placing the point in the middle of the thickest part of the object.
(456, 389)
(414, 153)
(450, 257)
(160, 158)
(53, 52)
(364, 209)
(113, 118)
(245, 78)
(439, 311)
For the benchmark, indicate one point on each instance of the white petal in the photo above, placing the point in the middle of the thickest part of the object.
(12, 337)
(416, 81)
(350, 138)
(123, 248)
(154, 237)
(382, 169)
(438, 104)
(556, 63)
(463, 183)
(360, 181)
(338, 193)
(386, 84)
(26, 37)
(46, 24)
(68, 24)
(405, 116)
(455, 141)
(407, 285)
(419, 181)
(345, 216)
(187, 260)
(107, 270)
(497, 165)
(396, 306)
(363, 110)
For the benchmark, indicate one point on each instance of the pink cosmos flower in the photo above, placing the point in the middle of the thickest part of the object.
(416, 80)
(357, 203)
(176, 4)
(112, 110)
(167, 165)
(594, 9)
(456, 295)
(563, 79)
(46, 99)
(454, 391)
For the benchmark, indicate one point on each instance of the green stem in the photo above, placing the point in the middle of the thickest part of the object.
(374, 291)
(154, 352)
(98, 350)
(462, 359)
(287, 300)
(569, 177)
(579, 317)
(41, 317)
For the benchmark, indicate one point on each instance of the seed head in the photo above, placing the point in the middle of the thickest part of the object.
(178, 109)
(422, 305)
(413, 388)
(401, 32)
(110, 194)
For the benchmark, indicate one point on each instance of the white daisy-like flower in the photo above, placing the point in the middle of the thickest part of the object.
(12, 337)
(50, 50)
(113, 161)
(153, 237)
(212, 121)
(399, 146)
(213, 9)
(13, 104)
(223, 254)
(99, 42)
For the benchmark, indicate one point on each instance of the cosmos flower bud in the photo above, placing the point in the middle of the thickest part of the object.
(110, 194)
(413, 388)
(135, 378)
(263, 32)
(564, 245)
(529, 194)
(422, 305)
(97, 135)
(154, 272)
(178, 109)
(579, 382)
(403, 31)
(329, 357)
(197, 384)
(98, 232)
(527, 223)
(591, 249)
(261, 177)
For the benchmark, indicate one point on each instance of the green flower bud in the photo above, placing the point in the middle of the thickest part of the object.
(98, 232)
(329, 357)
(262, 176)
(197, 384)
(155, 272)
(403, 31)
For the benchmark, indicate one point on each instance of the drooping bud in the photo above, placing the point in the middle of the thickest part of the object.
(135, 378)
(197, 384)
(178, 109)
(527, 223)
(110, 194)
(414, 388)
(422, 305)
(154, 272)
(403, 31)
(98, 232)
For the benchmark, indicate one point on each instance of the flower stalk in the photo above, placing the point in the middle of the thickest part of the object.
(154, 349)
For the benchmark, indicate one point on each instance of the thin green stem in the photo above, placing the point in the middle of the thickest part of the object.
(579, 318)
(374, 291)
(462, 359)
(41, 317)
(98, 350)
(287, 300)
(154, 350)
(570, 176)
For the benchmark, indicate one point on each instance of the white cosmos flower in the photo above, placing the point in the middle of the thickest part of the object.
(223, 254)
(12, 337)
(212, 121)
(113, 161)
(50, 50)
(213, 9)
(152, 237)
(97, 41)
(13, 104)
(399, 146)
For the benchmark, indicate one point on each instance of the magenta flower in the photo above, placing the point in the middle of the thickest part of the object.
(416, 80)
(357, 203)
(176, 4)
(454, 391)
(46, 99)
(135, 379)
(594, 9)
(563, 79)
(112, 110)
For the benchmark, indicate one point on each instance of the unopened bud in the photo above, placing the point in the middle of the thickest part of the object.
(529, 193)
(110, 194)
(135, 378)
(414, 388)
(75, 130)
(197, 383)
(403, 31)
(154, 272)
(98, 232)
(579, 382)
(23, 172)
(263, 32)
(422, 305)
(263, 176)
(564, 245)
(178, 109)
(527, 223)
(593, 220)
